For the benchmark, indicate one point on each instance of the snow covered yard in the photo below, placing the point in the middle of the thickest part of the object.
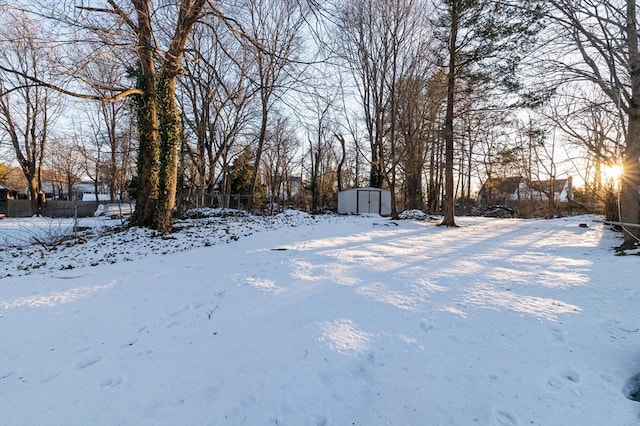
(297, 320)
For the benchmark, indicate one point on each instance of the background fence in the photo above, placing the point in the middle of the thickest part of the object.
(52, 208)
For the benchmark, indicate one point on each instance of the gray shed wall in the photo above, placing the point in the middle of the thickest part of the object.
(364, 201)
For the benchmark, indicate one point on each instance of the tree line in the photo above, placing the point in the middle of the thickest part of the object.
(426, 98)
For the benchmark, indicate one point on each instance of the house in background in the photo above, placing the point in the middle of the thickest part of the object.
(5, 195)
(562, 190)
(502, 191)
(514, 191)
(295, 187)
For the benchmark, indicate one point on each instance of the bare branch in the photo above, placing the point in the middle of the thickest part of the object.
(121, 13)
(40, 83)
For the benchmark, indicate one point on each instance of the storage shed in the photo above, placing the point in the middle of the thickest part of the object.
(365, 201)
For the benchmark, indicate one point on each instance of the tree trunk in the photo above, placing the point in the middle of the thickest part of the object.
(147, 122)
(630, 189)
(34, 189)
(148, 154)
(159, 134)
(375, 176)
(264, 121)
(343, 147)
(315, 176)
(414, 188)
(170, 137)
(448, 205)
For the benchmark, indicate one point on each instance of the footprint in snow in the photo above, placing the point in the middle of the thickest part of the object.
(49, 378)
(128, 344)
(87, 362)
(112, 383)
(425, 326)
(322, 421)
(570, 377)
(6, 374)
(559, 334)
(325, 378)
(572, 374)
(504, 418)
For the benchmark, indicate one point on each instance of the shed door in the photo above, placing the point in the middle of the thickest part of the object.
(369, 201)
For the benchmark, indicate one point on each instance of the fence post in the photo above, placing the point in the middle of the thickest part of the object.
(75, 220)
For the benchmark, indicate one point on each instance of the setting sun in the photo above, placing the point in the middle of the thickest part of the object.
(613, 172)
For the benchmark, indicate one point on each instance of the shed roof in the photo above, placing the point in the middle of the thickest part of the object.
(365, 188)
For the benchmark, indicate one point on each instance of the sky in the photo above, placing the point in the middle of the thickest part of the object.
(318, 320)
(75, 115)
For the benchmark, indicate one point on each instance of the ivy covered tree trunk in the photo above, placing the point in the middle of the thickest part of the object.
(158, 118)
(148, 154)
(147, 119)
(170, 137)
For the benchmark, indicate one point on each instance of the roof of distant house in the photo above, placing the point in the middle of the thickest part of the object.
(507, 185)
(510, 185)
(6, 188)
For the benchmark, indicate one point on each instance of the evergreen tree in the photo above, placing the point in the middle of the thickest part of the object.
(241, 177)
(241, 173)
(483, 41)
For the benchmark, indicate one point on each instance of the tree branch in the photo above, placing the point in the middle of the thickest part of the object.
(40, 83)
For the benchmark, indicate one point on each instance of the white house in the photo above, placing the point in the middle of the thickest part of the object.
(364, 201)
(511, 190)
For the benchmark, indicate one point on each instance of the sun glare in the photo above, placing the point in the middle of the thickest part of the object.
(613, 172)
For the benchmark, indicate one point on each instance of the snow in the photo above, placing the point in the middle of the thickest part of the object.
(318, 320)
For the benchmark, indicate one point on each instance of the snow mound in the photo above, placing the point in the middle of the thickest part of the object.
(414, 214)
(293, 216)
(106, 241)
(198, 213)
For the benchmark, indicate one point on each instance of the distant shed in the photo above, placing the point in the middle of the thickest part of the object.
(365, 201)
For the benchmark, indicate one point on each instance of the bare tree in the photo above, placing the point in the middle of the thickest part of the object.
(476, 125)
(217, 103)
(381, 43)
(274, 34)
(349, 171)
(279, 153)
(27, 110)
(604, 35)
(364, 41)
(590, 122)
(153, 35)
(65, 165)
(320, 129)
(112, 120)
(420, 96)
